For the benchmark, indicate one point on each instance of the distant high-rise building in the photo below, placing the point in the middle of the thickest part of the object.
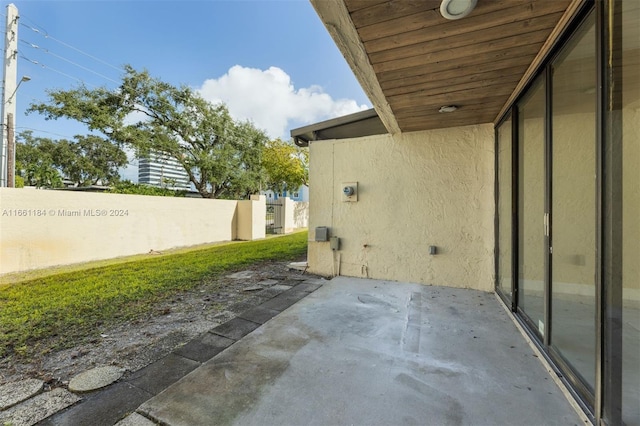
(162, 170)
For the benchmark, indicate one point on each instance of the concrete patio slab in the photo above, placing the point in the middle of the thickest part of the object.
(378, 353)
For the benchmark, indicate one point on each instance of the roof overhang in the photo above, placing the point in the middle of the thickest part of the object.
(363, 123)
(411, 61)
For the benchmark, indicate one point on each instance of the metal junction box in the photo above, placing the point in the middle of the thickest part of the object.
(334, 243)
(322, 233)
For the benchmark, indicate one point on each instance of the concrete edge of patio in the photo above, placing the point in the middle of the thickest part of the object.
(553, 373)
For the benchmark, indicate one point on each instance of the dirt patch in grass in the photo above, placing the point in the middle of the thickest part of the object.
(136, 343)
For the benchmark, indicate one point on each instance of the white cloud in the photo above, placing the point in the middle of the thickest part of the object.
(269, 99)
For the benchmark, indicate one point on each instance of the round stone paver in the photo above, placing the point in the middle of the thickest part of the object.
(95, 378)
(13, 393)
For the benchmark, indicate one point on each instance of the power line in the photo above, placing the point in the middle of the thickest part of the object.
(44, 33)
(56, 71)
(35, 46)
(44, 131)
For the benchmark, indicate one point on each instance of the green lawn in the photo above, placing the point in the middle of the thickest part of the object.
(73, 304)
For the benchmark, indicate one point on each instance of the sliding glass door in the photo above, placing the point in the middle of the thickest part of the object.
(622, 248)
(573, 203)
(557, 210)
(531, 206)
(569, 195)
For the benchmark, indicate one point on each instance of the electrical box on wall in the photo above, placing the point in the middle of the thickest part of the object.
(349, 191)
(322, 233)
(334, 243)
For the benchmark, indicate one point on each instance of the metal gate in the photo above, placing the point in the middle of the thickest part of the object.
(274, 217)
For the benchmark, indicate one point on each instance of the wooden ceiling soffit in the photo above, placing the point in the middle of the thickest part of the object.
(458, 65)
(410, 100)
(555, 34)
(535, 38)
(377, 12)
(426, 115)
(361, 4)
(435, 122)
(429, 108)
(429, 76)
(425, 17)
(410, 60)
(336, 19)
(431, 27)
(461, 40)
(509, 76)
(388, 10)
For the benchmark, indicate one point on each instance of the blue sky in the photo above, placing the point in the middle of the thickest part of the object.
(272, 62)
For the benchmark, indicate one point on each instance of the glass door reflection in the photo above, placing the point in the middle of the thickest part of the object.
(573, 204)
(531, 209)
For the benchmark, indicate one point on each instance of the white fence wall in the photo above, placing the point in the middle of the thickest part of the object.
(301, 214)
(41, 228)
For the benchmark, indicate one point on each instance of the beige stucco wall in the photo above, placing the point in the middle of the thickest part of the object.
(414, 190)
(251, 218)
(40, 228)
(288, 210)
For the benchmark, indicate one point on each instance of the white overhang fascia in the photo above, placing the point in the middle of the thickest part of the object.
(335, 16)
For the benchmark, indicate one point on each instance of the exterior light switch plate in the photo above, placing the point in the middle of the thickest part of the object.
(349, 191)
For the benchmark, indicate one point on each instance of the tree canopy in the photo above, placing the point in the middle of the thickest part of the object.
(128, 187)
(87, 160)
(286, 166)
(223, 157)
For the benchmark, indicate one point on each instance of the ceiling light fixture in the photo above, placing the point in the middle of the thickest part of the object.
(456, 9)
(447, 108)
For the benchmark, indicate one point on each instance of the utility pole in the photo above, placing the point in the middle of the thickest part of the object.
(9, 87)
(11, 153)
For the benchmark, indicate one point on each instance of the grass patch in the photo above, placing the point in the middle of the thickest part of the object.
(36, 312)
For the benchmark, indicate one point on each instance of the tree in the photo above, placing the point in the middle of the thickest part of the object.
(89, 160)
(85, 161)
(128, 187)
(221, 156)
(34, 161)
(43, 175)
(286, 165)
